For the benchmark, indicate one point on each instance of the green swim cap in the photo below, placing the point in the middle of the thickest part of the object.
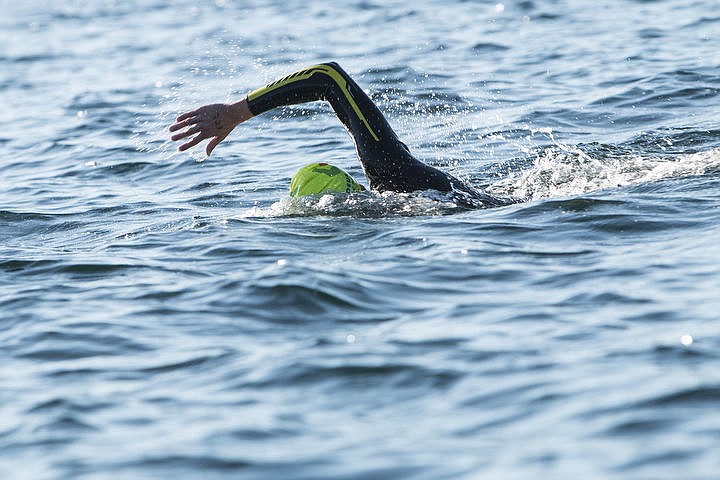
(320, 178)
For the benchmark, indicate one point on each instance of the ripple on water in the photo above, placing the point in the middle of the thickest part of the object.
(70, 345)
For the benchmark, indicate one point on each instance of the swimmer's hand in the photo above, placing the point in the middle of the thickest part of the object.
(214, 121)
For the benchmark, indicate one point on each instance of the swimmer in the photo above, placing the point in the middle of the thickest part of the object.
(386, 161)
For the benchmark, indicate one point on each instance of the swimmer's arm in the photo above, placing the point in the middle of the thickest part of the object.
(320, 82)
(214, 122)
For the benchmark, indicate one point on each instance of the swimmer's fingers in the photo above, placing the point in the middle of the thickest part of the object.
(185, 134)
(192, 142)
(214, 121)
(214, 143)
(187, 118)
(186, 115)
(179, 125)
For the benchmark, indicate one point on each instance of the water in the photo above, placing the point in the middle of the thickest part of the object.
(169, 315)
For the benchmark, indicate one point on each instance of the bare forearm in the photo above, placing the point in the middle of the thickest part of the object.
(240, 112)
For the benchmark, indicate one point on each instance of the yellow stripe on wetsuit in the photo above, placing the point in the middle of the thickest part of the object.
(309, 72)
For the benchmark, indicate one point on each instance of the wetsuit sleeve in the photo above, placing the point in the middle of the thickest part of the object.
(386, 161)
(326, 82)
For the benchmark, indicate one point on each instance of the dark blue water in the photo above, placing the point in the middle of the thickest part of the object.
(163, 315)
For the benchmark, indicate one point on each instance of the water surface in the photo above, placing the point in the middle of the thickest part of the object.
(164, 314)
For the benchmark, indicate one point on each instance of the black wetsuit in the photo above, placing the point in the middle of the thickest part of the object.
(386, 161)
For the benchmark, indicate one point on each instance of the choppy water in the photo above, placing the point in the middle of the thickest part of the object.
(164, 316)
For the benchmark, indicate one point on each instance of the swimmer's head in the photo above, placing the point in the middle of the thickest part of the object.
(318, 178)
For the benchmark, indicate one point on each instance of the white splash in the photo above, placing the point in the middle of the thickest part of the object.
(362, 204)
(563, 171)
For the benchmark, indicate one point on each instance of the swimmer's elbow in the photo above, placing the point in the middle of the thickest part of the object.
(336, 66)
